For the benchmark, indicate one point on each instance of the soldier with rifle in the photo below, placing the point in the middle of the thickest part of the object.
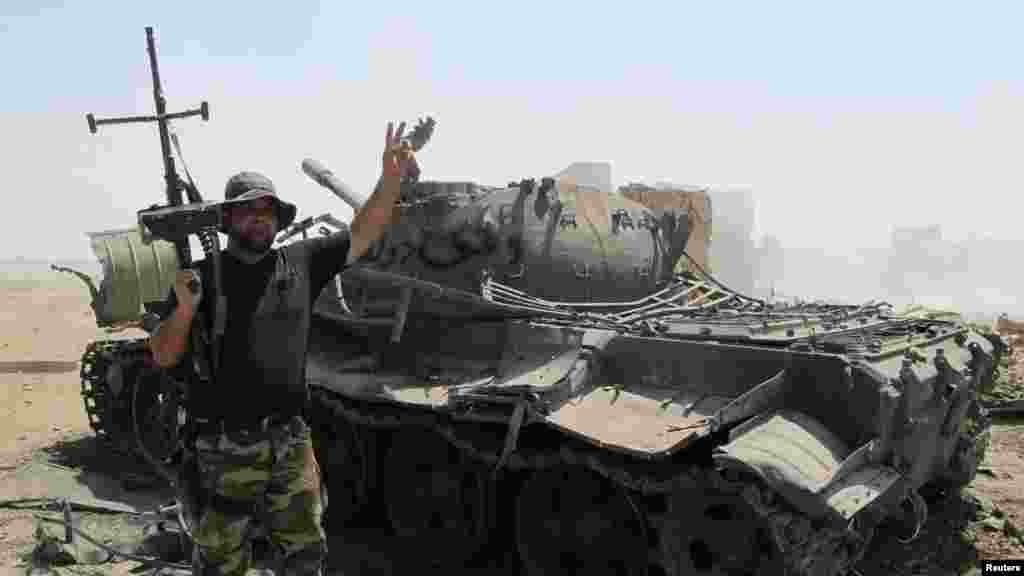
(237, 323)
(253, 449)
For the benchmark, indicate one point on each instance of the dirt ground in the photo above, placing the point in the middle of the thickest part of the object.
(46, 446)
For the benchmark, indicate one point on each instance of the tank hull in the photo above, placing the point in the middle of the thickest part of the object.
(828, 418)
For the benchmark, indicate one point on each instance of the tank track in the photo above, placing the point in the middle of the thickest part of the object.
(804, 548)
(109, 413)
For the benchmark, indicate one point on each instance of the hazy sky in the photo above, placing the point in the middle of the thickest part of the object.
(843, 119)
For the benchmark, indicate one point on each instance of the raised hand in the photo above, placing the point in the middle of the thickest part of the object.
(399, 159)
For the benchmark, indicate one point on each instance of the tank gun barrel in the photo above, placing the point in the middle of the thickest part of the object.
(324, 177)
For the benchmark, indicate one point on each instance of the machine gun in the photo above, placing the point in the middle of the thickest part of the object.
(175, 222)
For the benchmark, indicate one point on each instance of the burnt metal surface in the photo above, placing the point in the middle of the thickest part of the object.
(553, 239)
(816, 405)
(652, 421)
(851, 493)
(788, 448)
(803, 460)
(836, 413)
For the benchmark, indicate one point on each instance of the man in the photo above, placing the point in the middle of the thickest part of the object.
(253, 448)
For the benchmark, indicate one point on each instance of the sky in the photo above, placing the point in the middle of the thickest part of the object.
(844, 119)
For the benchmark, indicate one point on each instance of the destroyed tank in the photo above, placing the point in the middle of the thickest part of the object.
(524, 362)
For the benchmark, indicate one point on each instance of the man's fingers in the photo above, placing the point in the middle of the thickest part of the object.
(401, 130)
(387, 137)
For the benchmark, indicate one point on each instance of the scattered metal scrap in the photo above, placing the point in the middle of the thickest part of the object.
(53, 549)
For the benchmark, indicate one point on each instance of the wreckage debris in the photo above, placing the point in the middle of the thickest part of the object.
(62, 541)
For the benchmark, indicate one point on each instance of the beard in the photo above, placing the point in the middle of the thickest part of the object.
(250, 247)
(254, 245)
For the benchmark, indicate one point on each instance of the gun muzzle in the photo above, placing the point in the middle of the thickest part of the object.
(324, 177)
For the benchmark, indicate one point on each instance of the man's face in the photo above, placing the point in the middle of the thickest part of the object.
(253, 224)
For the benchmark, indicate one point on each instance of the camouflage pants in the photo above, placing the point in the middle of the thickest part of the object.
(274, 470)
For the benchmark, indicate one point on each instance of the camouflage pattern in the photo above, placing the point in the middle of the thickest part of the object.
(275, 471)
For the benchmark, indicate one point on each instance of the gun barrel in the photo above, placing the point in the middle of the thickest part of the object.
(324, 177)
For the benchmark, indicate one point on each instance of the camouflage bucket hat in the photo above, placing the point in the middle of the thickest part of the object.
(246, 186)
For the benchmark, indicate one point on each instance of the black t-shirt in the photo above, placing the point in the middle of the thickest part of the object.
(263, 350)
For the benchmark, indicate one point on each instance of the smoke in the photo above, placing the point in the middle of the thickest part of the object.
(975, 277)
(918, 265)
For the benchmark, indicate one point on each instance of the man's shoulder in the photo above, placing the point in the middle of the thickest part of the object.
(318, 243)
(292, 252)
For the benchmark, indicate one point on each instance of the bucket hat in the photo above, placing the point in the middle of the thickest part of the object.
(248, 185)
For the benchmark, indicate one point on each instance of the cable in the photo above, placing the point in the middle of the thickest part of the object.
(707, 275)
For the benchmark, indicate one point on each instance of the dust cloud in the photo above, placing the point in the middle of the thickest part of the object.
(919, 265)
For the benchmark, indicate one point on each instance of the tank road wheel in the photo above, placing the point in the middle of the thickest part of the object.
(341, 452)
(437, 496)
(571, 521)
(710, 532)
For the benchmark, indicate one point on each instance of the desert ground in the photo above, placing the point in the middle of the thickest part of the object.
(47, 450)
